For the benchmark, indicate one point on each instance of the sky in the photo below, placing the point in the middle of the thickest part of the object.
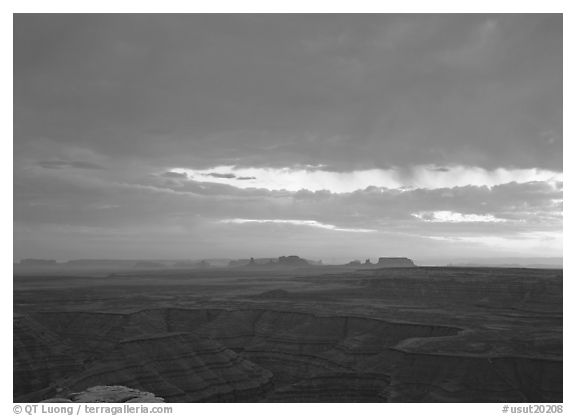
(334, 137)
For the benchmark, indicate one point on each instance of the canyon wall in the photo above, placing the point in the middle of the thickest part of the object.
(186, 355)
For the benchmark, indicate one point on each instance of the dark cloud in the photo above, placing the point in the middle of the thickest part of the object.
(175, 175)
(347, 91)
(221, 175)
(245, 178)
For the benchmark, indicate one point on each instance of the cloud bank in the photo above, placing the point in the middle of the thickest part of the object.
(328, 136)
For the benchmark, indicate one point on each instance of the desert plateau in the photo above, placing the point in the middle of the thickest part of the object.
(305, 334)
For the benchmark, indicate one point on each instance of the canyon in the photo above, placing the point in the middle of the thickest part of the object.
(319, 334)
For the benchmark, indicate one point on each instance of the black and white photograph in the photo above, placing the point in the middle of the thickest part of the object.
(287, 208)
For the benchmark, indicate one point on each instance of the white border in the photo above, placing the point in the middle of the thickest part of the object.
(301, 6)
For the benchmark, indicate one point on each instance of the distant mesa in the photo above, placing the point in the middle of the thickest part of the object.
(104, 263)
(292, 261)
(156, 264)
(203, 264)
(189, 264)
(217, 262)
(384, 262)
(282, 261)
(253, 262)
(395, 262)
(238, 263)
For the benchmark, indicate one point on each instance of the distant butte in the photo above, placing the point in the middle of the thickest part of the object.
(384, 262)
(282, 261)
(395, 262)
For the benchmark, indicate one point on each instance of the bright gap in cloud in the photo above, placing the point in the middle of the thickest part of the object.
(538, 243)
(450, 216)
(308, 223)
(424, 176)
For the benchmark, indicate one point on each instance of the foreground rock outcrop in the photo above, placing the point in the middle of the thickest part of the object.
(108, 394)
